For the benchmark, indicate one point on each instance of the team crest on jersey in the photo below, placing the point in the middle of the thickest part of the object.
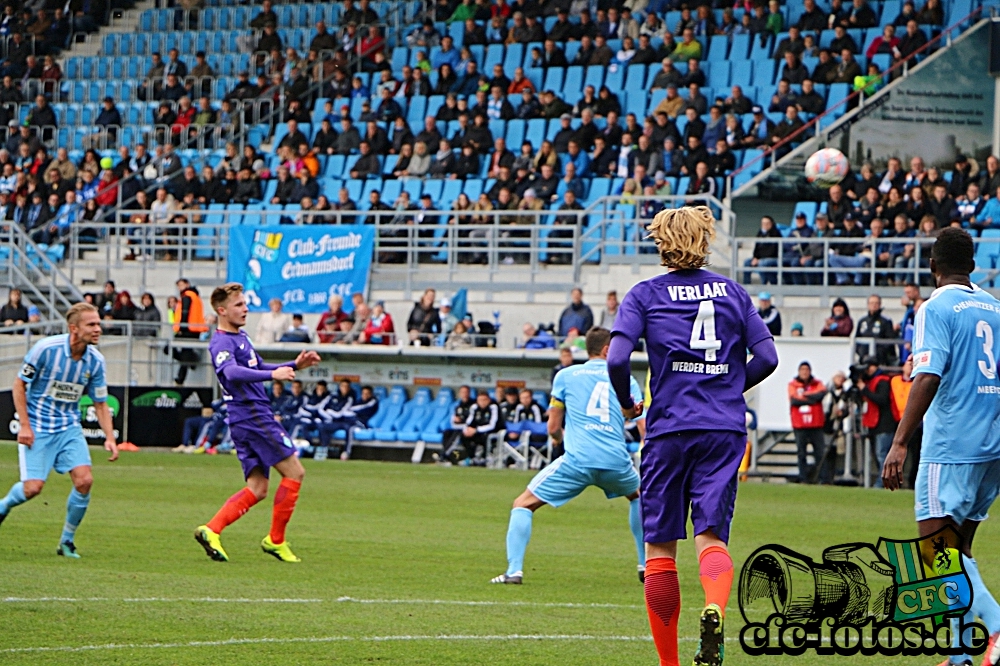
(221, 357)
(252, 361)
(921, 360)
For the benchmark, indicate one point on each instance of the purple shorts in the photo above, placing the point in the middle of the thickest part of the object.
(693, 469)
(260, 445)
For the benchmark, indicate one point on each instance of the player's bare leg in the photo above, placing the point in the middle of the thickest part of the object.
(518, 536)
(635, 526)
(76, 507)
(208, 535)
(19, 493)
(285, 498)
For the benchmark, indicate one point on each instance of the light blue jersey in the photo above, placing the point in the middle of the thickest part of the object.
(56, 383)
(957, 337)
(595, 427)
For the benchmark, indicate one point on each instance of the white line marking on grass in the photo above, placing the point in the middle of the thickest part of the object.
(451, 602)
(428, 602)
(329, 639)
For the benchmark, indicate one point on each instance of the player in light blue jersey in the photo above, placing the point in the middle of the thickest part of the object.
(596, 453)
(956, 392)
(56, 373)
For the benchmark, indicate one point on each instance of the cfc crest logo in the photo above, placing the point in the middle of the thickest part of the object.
(898, 597)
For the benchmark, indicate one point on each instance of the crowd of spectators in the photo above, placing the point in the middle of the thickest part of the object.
(597, 140)
(860, 215)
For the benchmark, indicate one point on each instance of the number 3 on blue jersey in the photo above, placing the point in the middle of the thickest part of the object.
(704, 325)
(989, 366)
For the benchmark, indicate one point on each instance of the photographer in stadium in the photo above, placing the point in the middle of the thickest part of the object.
(874, 387)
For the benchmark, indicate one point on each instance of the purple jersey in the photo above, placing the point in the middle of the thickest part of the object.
(246, 400)
(698, 326)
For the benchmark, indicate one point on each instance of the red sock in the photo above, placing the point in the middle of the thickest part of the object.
(284, 505)
(663, 605)
(715, 568)
(231, 511)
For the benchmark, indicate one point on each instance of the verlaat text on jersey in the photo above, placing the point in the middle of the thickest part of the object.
(701, 368)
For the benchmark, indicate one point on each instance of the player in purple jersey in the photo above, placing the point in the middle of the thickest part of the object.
(698, 327)
(260, 441)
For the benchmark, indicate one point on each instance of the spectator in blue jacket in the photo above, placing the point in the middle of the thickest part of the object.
(577, 314)
(535, 339)
(969, 208)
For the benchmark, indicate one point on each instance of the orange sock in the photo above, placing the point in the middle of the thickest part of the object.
(284, 505)
(663, 605)
(715, 568)
(231, 511)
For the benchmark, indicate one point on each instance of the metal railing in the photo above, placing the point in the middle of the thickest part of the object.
(822, 271)
(28, 266)
(781, 151)
(553, 242)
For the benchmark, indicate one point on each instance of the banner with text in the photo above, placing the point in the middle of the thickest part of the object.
(301, 265)
(943, 109)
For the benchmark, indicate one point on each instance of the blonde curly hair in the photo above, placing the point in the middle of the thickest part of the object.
(682, 236)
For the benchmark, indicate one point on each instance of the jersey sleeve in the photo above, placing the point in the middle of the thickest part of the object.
(756, 329)
(558, 397)
(222, 355)
(32, 361)
(931, 342)
(97, 387)
(631, 320)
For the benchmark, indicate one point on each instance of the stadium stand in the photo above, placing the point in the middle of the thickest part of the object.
(251, 111)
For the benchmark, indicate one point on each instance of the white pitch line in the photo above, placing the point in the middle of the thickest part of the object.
(428, 602)
(327, 639)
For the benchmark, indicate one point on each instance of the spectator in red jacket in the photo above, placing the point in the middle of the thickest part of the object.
(380, 329)
(839, 324)
(329, 322)
(805, 393)
(884, 43)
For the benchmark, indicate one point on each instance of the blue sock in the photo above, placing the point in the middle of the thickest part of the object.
(518, 536)
(76, 506)
(635, 524)
(959, 658)
(984, 606)
(14, 497)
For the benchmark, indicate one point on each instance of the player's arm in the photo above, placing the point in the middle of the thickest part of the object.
(25, 435)
(922, 393)
(305, 359)
(555, 424)
(620, 372)
(761, 345)
(106, 422)
(641, 425)
(97, 389)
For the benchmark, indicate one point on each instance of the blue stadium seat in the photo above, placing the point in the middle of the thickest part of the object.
(573, 81)
(416, 416)
(740, 48)
(718, 48)
(440, 417)
(389, 409)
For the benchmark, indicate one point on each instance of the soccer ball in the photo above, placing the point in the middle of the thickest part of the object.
(825, 168)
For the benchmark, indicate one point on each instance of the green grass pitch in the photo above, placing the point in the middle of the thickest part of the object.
(394, 555)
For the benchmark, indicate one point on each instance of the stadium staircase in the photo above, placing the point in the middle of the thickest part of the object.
(777, 458)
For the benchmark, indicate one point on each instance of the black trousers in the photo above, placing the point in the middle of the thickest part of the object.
(817, 438)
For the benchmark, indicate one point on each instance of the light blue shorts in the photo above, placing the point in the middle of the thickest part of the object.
(61, 451)
(963, 491)
(562, 481)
